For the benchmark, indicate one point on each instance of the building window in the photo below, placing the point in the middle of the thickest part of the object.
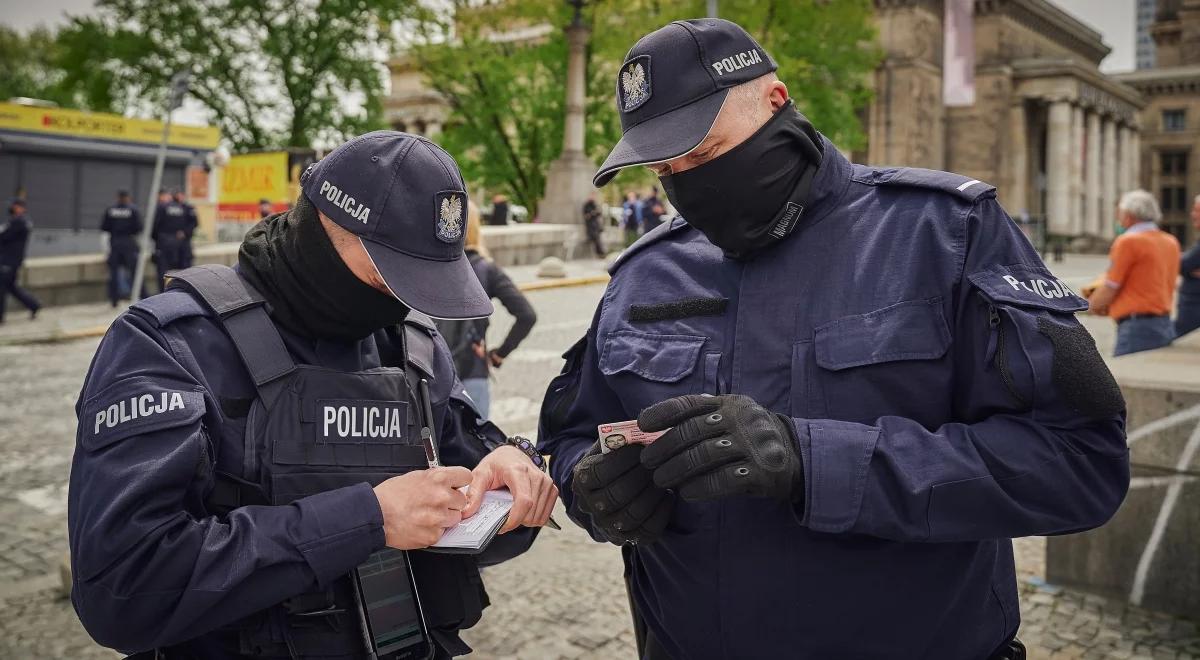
(1174, 163)
(1174, 198)
(1174, 120)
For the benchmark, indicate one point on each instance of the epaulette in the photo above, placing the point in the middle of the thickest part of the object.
(960, 186)
(651, 237)
(168, 307)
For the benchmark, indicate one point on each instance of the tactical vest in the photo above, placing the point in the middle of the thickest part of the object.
(311, 430)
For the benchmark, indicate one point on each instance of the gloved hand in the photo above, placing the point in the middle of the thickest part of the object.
(720, 446)
(620, 496)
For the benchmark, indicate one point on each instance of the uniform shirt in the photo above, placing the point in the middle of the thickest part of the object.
(1144, 265)
(14, 237)
(151, 566)
(121, 221)
(943, 396)
(171, 218)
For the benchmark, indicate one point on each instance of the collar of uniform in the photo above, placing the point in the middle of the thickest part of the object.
(1141, 227)
(829, 184)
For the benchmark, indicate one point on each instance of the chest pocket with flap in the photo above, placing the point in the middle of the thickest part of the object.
(645, 368)
(884, 362)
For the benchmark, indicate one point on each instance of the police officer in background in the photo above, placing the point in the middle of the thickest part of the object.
(867, 379)
(193, 222)
(247, 438)
(123, 224)
(14, 239)
(174, 224)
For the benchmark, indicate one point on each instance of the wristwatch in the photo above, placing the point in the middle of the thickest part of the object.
(528, 449)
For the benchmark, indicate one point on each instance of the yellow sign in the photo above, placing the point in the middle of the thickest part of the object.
(102, 126)
(251, 177)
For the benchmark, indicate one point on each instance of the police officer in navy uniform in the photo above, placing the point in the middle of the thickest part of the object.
(193, 220)
(247, 438)
(14, 239)
(174, 224)
(123, 223)
(868, 382)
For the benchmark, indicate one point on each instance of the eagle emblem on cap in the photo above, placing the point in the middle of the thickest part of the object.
(450, 219)
(635, 83)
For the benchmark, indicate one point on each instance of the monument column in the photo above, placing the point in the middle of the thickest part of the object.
(1108, 183)
(1124, 146)
(1092, 223)
(1058, 168)
(569, 179)
(1077, 170)
(1016, 199)
(1135, 146)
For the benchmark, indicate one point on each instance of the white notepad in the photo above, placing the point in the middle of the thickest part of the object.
(474, 533)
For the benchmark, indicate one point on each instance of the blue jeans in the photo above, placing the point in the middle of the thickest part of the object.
(1143, 334)
(1188, 316)
(480, 392)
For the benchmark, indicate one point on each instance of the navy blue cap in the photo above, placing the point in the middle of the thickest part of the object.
(672, 86)
(405, 199)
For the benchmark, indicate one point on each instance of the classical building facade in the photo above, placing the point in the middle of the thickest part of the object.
(1170, 158)
(412, 106)
(1055, 135)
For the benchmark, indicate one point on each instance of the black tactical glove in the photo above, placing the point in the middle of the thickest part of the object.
(620, 496)
(720, 446)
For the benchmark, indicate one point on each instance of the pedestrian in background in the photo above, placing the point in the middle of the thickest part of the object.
(652, 212)
(1188, 316)
(123, 224)
(593, 222)
(499, 210)
(467, 339)
(632, 212)
(172, 232)
(1139, 287)
(14, 239)
(264, 208)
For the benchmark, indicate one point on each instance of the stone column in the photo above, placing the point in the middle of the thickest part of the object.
(1016, 199)
(1077, 169)
(433, 128)
(1136, 163)
(569, 178)
(1125, 153)
(1058, 168)
(1108, 177)
(1092, 223)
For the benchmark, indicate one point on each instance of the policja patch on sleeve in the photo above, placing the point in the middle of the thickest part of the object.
(136, 406)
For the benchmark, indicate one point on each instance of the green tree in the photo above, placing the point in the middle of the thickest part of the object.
(32, 65)
(507, 95)
(274, 73)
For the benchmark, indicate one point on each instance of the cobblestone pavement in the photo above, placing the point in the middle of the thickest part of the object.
(563, 599)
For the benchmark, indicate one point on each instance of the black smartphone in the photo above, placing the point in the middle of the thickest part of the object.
(395, 625)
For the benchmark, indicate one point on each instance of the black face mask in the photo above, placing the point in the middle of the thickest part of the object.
(289, 258)
(753, 195)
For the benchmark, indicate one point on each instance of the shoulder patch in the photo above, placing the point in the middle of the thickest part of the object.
(136, 405)
(1027, 286)
(963, 187)
(676, 225)
(168, 307)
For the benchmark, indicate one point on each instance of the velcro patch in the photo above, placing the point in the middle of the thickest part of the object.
(678, 309)
(136, 406)
(1027, 286)
(354, 421)
(1079, 372)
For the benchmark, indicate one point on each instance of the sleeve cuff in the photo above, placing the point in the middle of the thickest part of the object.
(347, 524)
(836, 457)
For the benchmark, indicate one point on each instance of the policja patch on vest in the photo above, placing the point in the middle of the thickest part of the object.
(450, 205)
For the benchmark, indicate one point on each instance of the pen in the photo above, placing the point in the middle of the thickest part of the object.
(431, 455)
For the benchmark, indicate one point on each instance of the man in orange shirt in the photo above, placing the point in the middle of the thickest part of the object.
(1139, 288)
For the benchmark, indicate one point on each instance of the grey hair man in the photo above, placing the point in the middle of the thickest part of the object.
(1139, 288)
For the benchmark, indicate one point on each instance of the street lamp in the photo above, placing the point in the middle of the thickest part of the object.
(179, 87)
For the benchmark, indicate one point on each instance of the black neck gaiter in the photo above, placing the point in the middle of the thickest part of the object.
(290, 260)
(753, 195)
